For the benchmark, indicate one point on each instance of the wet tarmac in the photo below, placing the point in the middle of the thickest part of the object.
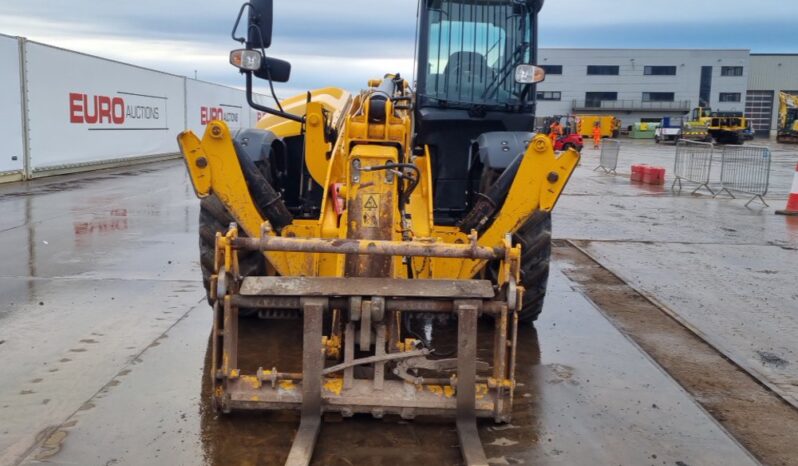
(93, 269)
(724, 270)
(572, 408)
(755, 415)
(104, 334)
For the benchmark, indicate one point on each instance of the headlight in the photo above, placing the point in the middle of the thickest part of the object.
(248, 60)
(529, 74)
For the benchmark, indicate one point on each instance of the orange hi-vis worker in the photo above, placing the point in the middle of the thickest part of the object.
(596, 136)
(555, 130)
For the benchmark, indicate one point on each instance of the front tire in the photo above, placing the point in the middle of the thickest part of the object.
(214, 218)
(535, 240)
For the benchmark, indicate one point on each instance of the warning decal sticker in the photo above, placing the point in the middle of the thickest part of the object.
(371, 210)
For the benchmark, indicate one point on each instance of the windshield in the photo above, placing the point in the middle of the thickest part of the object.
(473, 48)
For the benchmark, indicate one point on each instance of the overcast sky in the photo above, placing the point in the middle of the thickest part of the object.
(345, 42)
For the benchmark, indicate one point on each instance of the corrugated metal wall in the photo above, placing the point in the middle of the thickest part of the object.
(773, 73)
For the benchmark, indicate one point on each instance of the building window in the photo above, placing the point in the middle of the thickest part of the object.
(552, 69)
(706, 86)
(731, 71)
(594, 99)
(603, 70)
(659, 71)
(731, 97)
(658, 97)
(549, 95)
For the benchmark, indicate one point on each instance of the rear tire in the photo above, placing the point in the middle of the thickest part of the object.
(214, 218)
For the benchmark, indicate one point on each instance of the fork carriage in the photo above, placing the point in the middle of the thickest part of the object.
(364, 319)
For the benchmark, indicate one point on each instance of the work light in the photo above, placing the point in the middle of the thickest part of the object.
(529, 74)
(247, 60)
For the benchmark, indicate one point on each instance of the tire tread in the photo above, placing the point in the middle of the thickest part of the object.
(535, 240)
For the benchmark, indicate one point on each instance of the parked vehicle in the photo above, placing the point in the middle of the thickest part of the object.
(610, 126)
(314, 214)
(569, 141)
(570, 138)
(676, 128)
(724, 127)
(788, 118)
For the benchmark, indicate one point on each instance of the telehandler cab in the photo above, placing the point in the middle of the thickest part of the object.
(371, 218)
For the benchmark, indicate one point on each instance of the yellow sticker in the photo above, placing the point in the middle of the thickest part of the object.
(371, 210)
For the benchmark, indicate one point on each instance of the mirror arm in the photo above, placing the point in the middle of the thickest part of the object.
(238, 21)
(525, 93)
(270, 111)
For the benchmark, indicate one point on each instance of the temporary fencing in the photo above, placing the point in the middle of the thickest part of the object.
(693, 164)
(746, 170)
(608, 161)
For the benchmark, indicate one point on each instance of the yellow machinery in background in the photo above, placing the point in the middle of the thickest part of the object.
(788, 118)
(373, 218)
(610, 126)
(724, 127)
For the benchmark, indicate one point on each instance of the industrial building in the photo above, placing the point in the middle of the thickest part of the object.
(643, 85)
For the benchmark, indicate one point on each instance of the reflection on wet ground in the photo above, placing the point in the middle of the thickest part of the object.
(93, 268)
(120, 375)
(360, 440)
(571, 408)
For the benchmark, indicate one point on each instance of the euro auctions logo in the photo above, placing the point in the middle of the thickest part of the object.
(122, 111)
(226, 113)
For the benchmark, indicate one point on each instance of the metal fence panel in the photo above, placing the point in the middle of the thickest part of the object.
(693, 164)
(746, 169)
(610, 149)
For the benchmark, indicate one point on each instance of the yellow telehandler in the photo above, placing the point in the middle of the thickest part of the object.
(723, 127)
(371, 218)
(788, 119)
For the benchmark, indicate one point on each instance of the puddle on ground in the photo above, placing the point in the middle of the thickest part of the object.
(361, 439)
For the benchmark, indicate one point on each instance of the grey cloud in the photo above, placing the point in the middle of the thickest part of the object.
(344, 43)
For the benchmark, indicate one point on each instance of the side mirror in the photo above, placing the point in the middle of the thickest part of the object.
(252, 60)
(267, 68)
(259, 27)
(529, 74)
(278, 70)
